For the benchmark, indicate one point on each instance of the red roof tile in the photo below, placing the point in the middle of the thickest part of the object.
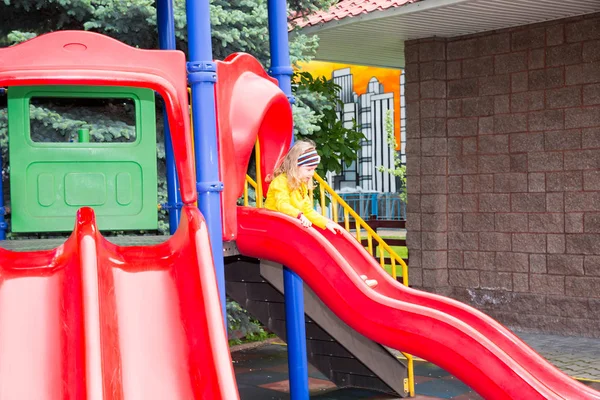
(350, 8)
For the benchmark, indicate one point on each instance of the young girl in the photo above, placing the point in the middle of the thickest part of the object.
(289, 191)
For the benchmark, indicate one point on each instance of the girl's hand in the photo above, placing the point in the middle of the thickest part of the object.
(305, 222)
(333, 227)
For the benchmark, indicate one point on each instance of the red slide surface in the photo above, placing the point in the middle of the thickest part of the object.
(92, 320)
(467, 343)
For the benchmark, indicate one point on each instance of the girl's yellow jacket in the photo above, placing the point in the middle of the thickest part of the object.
(292, 202)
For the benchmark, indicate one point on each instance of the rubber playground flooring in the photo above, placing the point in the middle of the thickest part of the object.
(262, 374)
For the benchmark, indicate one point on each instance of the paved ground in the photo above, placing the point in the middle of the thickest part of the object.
(261, 371)
(578, 357)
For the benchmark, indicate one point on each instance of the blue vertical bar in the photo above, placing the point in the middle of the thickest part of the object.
(374, 205)
(293, 285)
(202, 76)
(166, 41)
(3, 224)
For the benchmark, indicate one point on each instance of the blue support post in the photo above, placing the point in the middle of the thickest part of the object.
(293, 285)
(166, 41)
(3, 224)
(202, 76)
(374, 205)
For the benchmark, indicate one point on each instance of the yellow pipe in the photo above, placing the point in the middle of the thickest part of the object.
(411, 374)
(259, 190)
(251, 181)
(346, 220)
(334, 207)
(322, 192)
(191, 118)
(192, 128)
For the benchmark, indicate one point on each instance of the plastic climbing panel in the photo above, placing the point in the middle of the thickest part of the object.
(51, 180)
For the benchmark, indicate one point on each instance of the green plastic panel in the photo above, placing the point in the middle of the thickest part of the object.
(49, 182)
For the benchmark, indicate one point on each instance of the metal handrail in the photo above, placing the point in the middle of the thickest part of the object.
(360, 223)
(348, 211)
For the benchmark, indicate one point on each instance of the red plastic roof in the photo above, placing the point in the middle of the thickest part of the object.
(350, 8)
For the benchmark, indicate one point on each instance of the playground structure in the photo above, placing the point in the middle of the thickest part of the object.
(88, 170)
(90, 319)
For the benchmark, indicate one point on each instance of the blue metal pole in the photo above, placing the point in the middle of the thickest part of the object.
(374, 205)
(166, 41)
(202, 76)
(293, 285)
(3, 224)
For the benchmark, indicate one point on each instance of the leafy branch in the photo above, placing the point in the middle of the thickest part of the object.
(317, 100)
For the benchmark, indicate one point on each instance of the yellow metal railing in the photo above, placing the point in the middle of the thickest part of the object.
(360, 224)
(337, 201)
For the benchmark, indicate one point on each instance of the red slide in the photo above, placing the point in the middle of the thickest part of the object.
(92, 320)
(467, 343)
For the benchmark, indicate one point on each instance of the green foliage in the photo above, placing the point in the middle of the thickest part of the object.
(34, 17)
(252, 337)
(302, 8)
(241, 325)
(4, 130)
(399, 169)
(137, 28)
(237, 25)
(316, 100)
(18, 37)
(58, 124)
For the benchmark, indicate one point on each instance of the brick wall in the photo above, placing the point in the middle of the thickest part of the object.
(503, 165)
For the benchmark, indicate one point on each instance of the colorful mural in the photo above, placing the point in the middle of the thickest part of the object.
(362, 74)
(370, 95)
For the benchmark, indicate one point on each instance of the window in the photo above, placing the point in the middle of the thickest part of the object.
(80, 119)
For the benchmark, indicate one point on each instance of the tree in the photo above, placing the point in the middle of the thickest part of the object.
(237, 25)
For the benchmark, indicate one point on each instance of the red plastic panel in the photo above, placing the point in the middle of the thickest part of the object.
(250, 105)
(94, 320)
(87, 58)
(460, 339)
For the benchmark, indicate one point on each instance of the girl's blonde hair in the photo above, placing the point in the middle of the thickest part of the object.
(289, 164)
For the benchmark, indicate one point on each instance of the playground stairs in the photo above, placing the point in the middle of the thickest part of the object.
(346, 357)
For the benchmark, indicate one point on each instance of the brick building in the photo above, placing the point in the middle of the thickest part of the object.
(502, 145)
